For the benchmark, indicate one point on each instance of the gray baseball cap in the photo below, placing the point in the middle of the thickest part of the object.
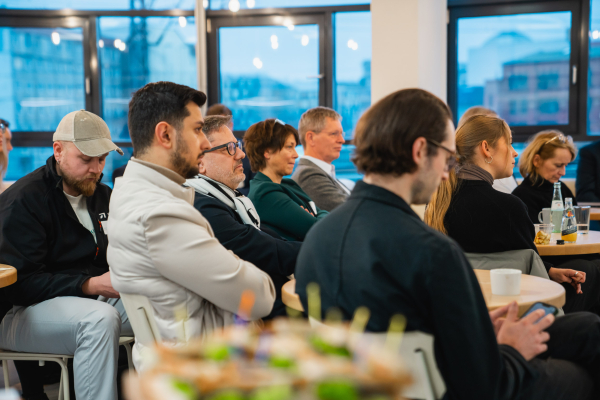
(88, 132)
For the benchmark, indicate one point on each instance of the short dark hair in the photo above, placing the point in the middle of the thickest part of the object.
(5, 123)
(157, 102)
(387, 130)
(213, 123)
(218, 109)
(270, 134)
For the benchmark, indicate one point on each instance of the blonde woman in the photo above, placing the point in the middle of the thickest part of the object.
(542, 164)
(484, 220)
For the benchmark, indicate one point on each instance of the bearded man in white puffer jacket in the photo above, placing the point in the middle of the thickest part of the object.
(160, 246)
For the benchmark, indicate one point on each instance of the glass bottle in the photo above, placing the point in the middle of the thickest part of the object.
(557, 209)
(569, 224)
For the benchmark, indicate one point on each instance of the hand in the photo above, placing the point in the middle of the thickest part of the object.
(307, 211)
(575, 278)
(100, 286)
(525, 335)
(497, 317)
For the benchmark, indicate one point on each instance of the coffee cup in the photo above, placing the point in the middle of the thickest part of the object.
(505, 281)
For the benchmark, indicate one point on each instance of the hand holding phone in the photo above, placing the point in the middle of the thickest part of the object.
(548, 309)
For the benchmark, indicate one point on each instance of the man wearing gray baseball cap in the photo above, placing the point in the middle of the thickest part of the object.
(51, 232)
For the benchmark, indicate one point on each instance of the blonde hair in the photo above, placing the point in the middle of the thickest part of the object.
(469, 137)
(543, 144)
(477, 110)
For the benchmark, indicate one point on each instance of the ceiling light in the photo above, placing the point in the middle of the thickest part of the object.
(182, 22)
(234, 5)
(257, 63)
(304, 40)
(101, 43)
(55, 38)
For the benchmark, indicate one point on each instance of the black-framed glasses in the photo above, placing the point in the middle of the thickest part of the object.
(451, 161)
(231, 147)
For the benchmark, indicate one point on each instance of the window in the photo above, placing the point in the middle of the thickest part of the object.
(250, 4)
(352, 82)
(269, 72)
(135, 51)
(99, 5)
(593, 107)
(43, 76)
(511, 61)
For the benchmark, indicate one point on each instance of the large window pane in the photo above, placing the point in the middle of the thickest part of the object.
(135, 51)
(42, 76)
(99, 5)
(352, 84)
(235, 5)
(517, 65)
(23, 160)
(594, 71)
(269, 72)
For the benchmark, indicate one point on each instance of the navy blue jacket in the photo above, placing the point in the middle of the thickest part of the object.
(374, 251)
(270, 253)
(587, 184)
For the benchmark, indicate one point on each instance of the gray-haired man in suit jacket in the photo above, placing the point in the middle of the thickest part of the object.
(322, 137)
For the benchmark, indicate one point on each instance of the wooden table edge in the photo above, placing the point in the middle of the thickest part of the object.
(567, 249)
(7, 277)
(289, 296)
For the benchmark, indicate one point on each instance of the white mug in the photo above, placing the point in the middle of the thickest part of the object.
(544, 216)
(506, 281)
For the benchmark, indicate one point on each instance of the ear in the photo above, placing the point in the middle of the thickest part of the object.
(202, 166)
(164, 134)
(59, 151)
(268, 154)
(486, 149)
(537, 161)
(309, 138)
(419, 151)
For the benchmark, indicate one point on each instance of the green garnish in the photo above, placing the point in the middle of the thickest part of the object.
(322, 346)
(186, 389)
(281, 362)
(230, 394)
(280, 392)
(337, 390)
(217, 352)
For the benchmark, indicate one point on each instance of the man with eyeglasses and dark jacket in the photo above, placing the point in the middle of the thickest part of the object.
(51, 231)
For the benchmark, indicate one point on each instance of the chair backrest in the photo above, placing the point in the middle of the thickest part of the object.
(141, 315)
(526, 260)
(416, 352)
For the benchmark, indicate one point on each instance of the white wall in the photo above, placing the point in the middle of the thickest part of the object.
(409, 46)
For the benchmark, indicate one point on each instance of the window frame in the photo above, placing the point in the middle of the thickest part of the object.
(577, 126)
(323, 16)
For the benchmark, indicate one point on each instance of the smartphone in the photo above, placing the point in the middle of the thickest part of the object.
(548, 309)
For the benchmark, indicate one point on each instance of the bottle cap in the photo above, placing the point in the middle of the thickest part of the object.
(560, 241)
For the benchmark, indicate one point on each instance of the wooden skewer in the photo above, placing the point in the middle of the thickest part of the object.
(395, 333)
(360, 320)
(314, 301)
(333, 316)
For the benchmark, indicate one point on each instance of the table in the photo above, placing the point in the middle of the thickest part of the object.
(533, 289)
(594, 214)
(8, 275)
(289, 296)
(588, 243)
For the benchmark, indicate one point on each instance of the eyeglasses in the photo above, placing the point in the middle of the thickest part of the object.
(451, 161)
(231, 147)
(2, 127)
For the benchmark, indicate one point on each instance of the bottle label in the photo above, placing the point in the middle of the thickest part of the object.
(569, 230)
(557, 205)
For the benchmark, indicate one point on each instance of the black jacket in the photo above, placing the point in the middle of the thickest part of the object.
(374, 251)
(270, 253)
(587, 184)
(539, 196)
(42, 238)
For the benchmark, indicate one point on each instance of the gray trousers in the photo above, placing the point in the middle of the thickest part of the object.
(87, 329)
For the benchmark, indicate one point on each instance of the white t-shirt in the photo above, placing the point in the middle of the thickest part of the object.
(80, 207)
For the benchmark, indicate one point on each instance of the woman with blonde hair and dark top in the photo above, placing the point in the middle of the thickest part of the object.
(542, 164)
(484, 220)
(281, 203)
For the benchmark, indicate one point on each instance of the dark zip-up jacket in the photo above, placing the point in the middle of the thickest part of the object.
(42, 238)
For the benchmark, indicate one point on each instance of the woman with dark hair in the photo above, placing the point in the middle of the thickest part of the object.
(484, 220)
(281, 204)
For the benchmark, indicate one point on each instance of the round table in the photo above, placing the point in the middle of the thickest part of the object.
(289, 296)
(588, 243)
(8, 275)
(533, 289)
(594, 214)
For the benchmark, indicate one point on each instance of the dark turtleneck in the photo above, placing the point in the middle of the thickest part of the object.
(539, 196)
(484, 220)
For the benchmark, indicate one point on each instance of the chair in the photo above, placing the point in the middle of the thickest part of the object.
(141, 316)
(60, 359)
(416, 352)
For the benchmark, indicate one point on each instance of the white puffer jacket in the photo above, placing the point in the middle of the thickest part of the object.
(161, 247)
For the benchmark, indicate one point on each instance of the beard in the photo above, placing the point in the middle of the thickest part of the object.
(425, 186)
(83, 186)
(226, 176)
(180, 163)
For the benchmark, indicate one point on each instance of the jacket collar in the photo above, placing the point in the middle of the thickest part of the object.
(262, 177)
(329, 169)
(378, 194)
(159, 176)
